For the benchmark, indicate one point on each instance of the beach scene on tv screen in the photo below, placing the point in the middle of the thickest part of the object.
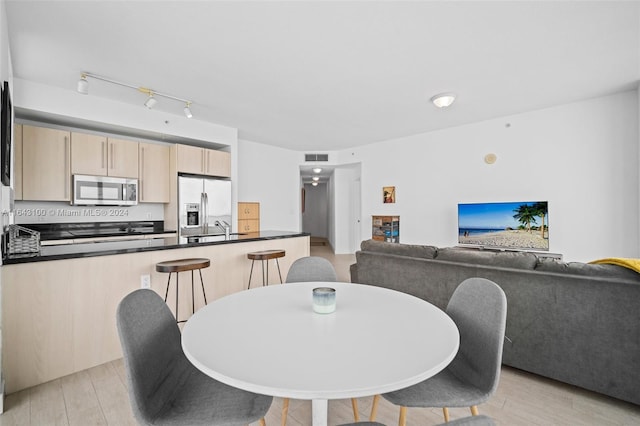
(517, 225)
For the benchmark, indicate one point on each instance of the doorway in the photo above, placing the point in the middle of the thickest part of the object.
(332, 207)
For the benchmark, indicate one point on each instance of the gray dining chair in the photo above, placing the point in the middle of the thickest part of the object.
(311, 268)
(479, 309)
(478, 420)
(164, 387)
(306, 269)
(466, 421)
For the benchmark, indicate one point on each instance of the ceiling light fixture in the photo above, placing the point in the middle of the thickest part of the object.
(314, 183)
(315, 178)
(443, 100)
(317, 170)
(151, 101)
(187, 110)
(83, 87)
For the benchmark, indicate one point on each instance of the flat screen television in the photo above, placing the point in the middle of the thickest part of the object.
(521, 225)
(5, 142)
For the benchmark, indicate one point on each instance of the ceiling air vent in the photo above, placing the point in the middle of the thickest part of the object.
(316, 157)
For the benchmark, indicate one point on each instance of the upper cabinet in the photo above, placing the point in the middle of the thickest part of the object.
(154, 178)
(123, 158)
(102, 156)
(203, 161)
(45, 164)
(17, 161)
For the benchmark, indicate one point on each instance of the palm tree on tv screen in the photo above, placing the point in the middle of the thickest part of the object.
(525, 214)
(541, 210)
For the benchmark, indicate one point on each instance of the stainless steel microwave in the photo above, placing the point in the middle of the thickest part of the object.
(104, 191)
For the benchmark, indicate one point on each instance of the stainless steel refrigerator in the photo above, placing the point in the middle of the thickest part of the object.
(204, 206)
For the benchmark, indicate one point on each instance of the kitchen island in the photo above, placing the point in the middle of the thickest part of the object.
(58, 307)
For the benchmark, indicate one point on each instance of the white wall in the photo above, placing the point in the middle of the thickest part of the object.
(271, 176)
(581, 157)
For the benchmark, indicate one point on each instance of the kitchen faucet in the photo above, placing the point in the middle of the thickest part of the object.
(222, 225)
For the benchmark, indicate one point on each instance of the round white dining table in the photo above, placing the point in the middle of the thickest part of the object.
(269, 340)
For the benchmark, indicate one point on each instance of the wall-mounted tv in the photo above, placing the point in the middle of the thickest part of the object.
(5, 142)
(522, 225)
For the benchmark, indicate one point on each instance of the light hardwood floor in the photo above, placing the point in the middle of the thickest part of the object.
(98, 396)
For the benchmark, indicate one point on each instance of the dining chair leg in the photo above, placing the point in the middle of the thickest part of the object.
(403, 416)
(263, 422)
(374, 408)
(474, 410)
(445, 412)
(354, 404)
(285, 411)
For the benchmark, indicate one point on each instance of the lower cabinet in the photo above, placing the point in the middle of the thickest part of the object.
(248, 217)
(58, 316)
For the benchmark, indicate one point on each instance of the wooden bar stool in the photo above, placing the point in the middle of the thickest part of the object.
(265, 255)
(182, 265)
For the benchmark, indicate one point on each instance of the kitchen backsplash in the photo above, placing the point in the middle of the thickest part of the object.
(26, 212)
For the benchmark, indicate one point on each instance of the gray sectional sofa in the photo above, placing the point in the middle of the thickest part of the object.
(574, 322)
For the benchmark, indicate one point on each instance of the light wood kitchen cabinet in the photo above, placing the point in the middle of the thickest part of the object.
(218, 163)
(45, 164)
(203, 161)
(248, 217)
(123, 158)
(17, 162)
(88, 154)
(153, 169)
(102, 156)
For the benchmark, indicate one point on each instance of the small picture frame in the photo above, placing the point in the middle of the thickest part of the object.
(388, 194)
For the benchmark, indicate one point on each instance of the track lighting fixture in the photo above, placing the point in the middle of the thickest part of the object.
(83, 87)
(187, 110)
(151, 101)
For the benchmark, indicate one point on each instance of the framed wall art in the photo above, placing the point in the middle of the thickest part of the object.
(388, 194)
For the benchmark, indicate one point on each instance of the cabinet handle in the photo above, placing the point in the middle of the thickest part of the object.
(141, 174)
(103, 152)
(67, 182)
(202, 167)
(113, 150)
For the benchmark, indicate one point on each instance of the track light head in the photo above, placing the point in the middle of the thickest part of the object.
(83, 85)
(151, 101)
(187, 110)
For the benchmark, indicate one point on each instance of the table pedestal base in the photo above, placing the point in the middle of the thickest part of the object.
(319, 412)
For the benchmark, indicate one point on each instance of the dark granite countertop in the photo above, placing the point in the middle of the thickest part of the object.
(105, 248)
(63, 231)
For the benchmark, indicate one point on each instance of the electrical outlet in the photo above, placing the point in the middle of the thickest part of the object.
(145, 281)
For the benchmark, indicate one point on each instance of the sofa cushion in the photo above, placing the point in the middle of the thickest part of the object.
(505, 259)
(410, 250)
(586, 269)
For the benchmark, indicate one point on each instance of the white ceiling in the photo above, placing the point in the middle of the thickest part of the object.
(313, 76)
